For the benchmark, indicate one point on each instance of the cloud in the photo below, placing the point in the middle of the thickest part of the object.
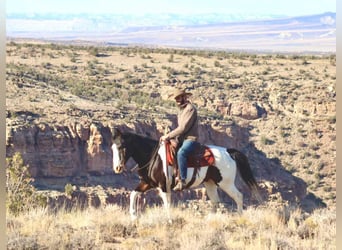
(328, 20)
(285, 35)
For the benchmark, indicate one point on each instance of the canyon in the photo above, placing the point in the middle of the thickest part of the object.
(62, 102)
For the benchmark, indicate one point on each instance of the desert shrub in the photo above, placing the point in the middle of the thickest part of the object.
(265, 140)
(217, 64)
(171, 58)
(332, 120)
(21, 194)
(93, 51)
(68, 189)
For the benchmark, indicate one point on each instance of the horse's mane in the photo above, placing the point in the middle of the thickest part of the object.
(141, 137)
(152, 142)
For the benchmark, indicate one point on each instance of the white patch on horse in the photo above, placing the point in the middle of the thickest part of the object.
(116, 156)
(162, 154)
(200, 175)
(222, 158)
(133, 204)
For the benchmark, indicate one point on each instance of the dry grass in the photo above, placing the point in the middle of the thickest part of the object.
(110, 227)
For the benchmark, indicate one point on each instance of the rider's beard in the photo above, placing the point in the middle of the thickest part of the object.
(181, 102)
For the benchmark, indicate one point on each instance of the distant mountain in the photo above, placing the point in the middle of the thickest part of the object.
(315, 33)
(143, 19)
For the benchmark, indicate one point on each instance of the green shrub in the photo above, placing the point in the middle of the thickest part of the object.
(68, 189)
(217, 64)
(266, 141)
(171, 58)
(21, 195)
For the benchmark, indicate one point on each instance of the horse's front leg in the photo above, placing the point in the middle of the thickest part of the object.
(133, 204)
(166, 198)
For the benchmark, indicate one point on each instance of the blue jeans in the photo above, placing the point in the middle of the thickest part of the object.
(184, 151)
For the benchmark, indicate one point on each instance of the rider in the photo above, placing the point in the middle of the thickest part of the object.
(186, 133)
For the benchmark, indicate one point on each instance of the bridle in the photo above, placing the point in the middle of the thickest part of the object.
(121, 151)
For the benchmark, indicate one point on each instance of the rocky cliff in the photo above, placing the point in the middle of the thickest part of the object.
(84, 148)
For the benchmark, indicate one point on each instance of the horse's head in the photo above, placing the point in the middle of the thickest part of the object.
(119, 152)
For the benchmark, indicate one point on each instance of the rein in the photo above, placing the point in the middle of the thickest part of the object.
(137, 167)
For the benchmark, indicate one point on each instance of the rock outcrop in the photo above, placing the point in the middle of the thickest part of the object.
(83, 148)
(245, 110)
(61, 150)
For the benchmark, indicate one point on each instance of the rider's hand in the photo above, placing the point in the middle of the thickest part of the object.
(164, 138)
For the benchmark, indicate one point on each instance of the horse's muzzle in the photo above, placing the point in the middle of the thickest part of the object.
(119, 169)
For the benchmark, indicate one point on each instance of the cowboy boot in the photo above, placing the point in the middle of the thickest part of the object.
(180, 185)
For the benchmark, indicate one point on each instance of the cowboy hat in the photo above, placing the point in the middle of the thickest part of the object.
(179, 92)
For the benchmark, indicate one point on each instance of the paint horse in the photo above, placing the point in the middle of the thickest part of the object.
(155, 169)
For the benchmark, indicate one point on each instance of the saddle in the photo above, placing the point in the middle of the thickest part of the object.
(201, 157)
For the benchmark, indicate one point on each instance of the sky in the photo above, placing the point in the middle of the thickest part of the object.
(134, 7)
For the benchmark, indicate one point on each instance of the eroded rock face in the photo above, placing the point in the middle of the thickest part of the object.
(59, 151)
(245, 110)
(49, 150)
(98, 152)
(85, 147)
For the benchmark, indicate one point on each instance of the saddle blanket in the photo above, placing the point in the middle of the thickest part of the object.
(202, 156)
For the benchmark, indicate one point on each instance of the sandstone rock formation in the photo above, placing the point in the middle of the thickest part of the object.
(246, 110)
(82, 148)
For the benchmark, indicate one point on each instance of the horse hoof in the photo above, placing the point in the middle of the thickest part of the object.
(134, 217)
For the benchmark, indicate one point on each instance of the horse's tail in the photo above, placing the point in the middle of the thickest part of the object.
(245, 170)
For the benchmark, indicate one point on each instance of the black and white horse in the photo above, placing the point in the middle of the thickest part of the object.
(155, 172)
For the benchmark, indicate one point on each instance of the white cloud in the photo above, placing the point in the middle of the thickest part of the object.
(328, 20)
(285, 35)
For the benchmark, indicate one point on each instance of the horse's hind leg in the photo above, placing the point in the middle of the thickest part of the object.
(211, 189)
(232, 191)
